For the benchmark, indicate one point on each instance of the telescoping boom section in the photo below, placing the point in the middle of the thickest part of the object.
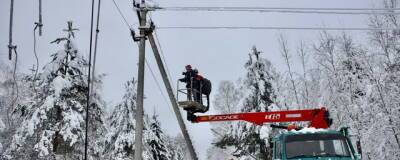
(318, 118)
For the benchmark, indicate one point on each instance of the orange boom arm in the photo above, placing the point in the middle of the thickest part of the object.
(318, 118)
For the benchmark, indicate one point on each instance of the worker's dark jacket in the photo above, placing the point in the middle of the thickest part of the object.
(188, 75)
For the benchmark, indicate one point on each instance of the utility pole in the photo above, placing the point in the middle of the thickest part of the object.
(146, 32)
(172, 97)
(140, 88)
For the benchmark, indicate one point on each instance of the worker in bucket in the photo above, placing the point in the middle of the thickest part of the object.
(196, 86)
(189, 75)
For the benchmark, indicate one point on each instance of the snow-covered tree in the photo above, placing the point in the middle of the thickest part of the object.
(258, 96)
(6, 84)
(120, 137)
(156, 141)
(53, 124)
(120, 140)
(226, 101)
(178, 143)
(292, 98)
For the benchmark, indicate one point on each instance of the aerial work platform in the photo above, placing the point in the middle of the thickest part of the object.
(192, 106)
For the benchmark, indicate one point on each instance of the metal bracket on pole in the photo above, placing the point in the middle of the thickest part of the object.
(172, 97)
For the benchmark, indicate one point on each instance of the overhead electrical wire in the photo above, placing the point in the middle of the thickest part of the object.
(158, 85)
(162, 54)
(277, 8)
(95, 46)
(274, 28)
(121, 14)
(161, 50)
(287, 11)
(88, 83)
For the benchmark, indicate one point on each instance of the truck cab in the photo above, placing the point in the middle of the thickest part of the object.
(310, 143)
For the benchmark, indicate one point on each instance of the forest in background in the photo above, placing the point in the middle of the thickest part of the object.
(358, 83)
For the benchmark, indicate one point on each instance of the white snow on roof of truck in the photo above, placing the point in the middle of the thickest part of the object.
(309, 130)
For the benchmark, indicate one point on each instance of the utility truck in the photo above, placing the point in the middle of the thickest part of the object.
(313, 142)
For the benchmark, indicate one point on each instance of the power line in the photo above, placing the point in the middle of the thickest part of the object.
(158, 85)
(280, 11)
(274, 28)
(304, 12)
(121, 14)
(95, 45)
(278, 8)
(162, 54)
(88, 83)
(161, 50)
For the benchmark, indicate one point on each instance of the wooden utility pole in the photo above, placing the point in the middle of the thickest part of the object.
(140, 87)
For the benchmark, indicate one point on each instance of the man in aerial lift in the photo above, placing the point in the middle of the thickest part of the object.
(189, 74)
(196, 86)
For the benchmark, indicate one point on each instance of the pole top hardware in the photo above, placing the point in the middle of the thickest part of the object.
(148, 29)
(144, 7)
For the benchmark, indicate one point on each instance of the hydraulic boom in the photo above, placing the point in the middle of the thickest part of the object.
(318, 118)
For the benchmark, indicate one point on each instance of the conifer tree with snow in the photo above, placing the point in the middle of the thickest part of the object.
(259, 97)
(120, 140)
(156, 141)
(6, 97)
(53, 124)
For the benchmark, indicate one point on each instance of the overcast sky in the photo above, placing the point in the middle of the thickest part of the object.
(218, 54)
